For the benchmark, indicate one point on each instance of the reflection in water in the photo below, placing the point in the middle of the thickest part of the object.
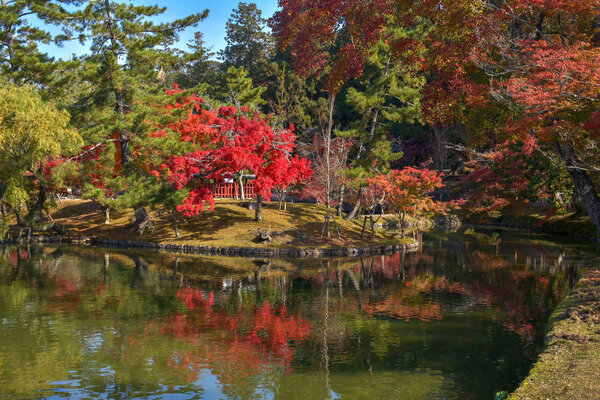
(460, 319)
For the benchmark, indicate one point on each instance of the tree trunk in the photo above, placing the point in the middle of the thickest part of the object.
(175, 267)
(106, 211)
(583, 183)
(257, 286)
(403, 222)
(280, 200)
(125, 138)
(341, 201)
(175, 224)
(372, 226)
(356, 207)
(440, 153)
(258, 210)
(241, 182)
(362, 232)
(142, 220)
(3, 188)
(105, 271)
(140, 273)
(35, 214)
(328, 162)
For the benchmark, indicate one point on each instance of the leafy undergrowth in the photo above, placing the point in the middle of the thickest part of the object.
(228, 225)
(569, 368)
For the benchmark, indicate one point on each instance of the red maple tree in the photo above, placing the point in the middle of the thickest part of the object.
(225, 142)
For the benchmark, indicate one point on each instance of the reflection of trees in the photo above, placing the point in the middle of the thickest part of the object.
(32, 350)
(60, 315)
(132, 327)
(239, 346)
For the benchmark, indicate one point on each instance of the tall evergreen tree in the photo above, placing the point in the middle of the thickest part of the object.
(199, 69)
(241, 90)
(249, 45)
(388, 92)
(291, 97)
(21, 59)
(126, 71)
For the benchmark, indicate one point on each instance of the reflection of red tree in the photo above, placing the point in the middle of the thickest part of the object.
(517, 296)
(69, 293)
(273, 330)
(66, 290)
(392, 308)
(194, 299)
(14, 256)
(410, 301)
(230, 342)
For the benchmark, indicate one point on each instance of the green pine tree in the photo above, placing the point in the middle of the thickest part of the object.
(249, 45)
(21, 60)
(126, 76)
(199, 70)
(388, 93)
(291, 97)
(241, 90)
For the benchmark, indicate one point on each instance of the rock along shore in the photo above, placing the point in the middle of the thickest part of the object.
(226, 251)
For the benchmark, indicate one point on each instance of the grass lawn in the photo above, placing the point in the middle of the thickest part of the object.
(228, 225)
(569, 368)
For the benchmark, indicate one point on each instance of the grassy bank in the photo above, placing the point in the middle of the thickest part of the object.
(573, 225)
(228, 225)
(569, 368)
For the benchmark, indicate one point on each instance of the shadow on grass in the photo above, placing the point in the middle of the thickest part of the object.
(228, 225)
(206, 226)
(78, 210)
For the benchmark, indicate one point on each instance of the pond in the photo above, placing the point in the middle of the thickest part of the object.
(462, 318)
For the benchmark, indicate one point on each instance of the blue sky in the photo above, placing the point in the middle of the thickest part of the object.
(213, 27)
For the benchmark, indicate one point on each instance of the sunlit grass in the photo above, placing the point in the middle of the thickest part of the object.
(228, 225)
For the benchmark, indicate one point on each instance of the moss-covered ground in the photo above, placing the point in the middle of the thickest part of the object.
(228, 225)
(569, 367)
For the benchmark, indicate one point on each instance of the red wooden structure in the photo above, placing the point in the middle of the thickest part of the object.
(223, 190)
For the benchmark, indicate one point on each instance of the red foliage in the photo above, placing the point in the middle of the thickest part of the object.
(407, 190)
(247, 338)
(316, 186)
(310, 28)
(274, 329)
(227, 143)
(516, 173)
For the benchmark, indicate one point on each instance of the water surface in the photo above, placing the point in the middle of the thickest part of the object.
(462, 318)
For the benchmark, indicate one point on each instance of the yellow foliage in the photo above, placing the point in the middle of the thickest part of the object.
(31, 130)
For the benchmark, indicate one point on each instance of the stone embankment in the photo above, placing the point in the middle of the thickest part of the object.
(227, 251)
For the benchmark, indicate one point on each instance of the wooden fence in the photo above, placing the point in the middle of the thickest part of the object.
(232, 190)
